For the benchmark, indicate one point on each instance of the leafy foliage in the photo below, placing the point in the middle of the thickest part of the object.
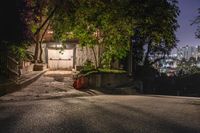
(98, 22)
(13, 28)
(111, 24)
(21, 53)
(87, 67)
(197, 22)
(103, 70)
(187, 67)
(157, 23)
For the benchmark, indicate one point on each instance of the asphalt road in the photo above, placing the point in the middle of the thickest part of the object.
(102, 114)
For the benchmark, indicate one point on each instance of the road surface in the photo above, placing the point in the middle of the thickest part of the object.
(102, 114)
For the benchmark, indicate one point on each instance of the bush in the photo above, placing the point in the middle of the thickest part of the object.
(21, 53)
(87, 67)
(111, 71)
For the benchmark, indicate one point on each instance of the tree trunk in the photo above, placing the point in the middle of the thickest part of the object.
(156, 60)
(37, 46)
(132, 63)
(95, 57)
(41, 52)
(41, 40)
(99, 53)
(146, 59)
(99, 47)
(37, 35)
(36, 51)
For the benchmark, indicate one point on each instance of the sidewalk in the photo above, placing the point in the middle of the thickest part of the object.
(23, 81)
(51, 85)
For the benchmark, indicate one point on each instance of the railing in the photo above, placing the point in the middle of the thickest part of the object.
(3, 64)
(9, 67)
(13, 66)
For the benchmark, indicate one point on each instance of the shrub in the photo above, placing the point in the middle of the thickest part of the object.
(87, 67)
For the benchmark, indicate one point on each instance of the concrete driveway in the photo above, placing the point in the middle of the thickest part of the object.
(102, 114)
(53, 84)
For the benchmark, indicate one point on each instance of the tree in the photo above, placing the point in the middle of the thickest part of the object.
(117, 25)
(115, 21)
(192, 61)
(157, 23)
(188, 66)
(98, 22)
(14, 29)
(81, 23)
(18, 18)
(38, 19)
(26, 22)
(197, 22)
(112, 23)
(14, 33)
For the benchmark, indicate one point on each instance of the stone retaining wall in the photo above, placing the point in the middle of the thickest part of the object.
(109, 80)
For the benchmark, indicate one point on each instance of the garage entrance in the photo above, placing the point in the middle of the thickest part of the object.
(60, 59)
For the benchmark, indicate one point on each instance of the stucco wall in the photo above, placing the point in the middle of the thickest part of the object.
(81, 54)
(85, 53)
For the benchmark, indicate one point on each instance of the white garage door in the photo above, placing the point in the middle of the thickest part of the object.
(60, 60)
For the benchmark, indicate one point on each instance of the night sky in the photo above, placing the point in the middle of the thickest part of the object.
(186, 32)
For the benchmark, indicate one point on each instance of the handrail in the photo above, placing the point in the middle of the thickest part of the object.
(13, 60)
(13, 66)
(14, 72)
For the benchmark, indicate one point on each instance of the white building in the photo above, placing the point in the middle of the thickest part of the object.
(187, 52)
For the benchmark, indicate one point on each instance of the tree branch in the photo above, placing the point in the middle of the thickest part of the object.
(146, 59)
(45, 31)
(158, 59)
(47, 19)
